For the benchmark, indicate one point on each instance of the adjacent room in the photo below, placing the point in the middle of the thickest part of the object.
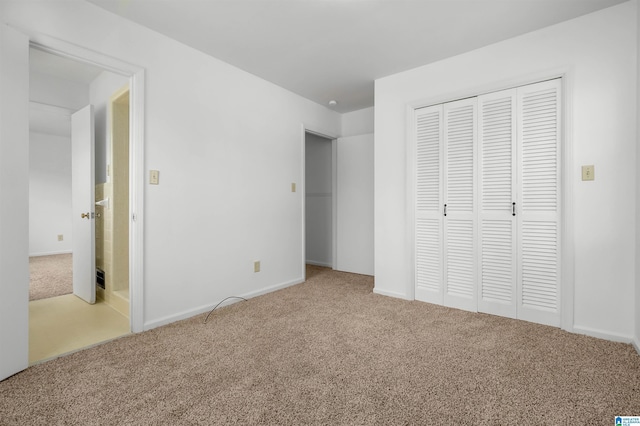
(319, 212)
(60, 321)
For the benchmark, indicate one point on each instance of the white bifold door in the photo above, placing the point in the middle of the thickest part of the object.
(487, 203)
(446, 215)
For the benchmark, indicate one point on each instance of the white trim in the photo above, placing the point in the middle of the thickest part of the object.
(316, 263)
(49, 253)
(334, 203)
(303, 201)
(567, 253)
(636, 344)
(136, 76)
(136, 200)
(601, 334)
(50, 109)
(490, 87)
(77, 53)
(318, 132)
(206, 308)
(410, 217)
(392, 294)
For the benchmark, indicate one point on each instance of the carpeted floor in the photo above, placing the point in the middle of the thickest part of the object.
(50, 276)
(329, 352)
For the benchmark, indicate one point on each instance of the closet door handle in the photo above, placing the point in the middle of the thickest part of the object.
(445, 209)
(513, 209)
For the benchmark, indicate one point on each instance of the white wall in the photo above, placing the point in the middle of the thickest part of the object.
(598, 51)
(228, 146)
(358, 122)
(100, 91)
(318, 194)
(637, 299)
(49, 194)
(355, 220)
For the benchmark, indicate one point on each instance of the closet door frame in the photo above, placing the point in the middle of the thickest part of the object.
(567, 250)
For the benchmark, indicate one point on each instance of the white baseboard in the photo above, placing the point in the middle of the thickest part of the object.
(50, 253)
(316, 263)
(600, 334)
(636, 344)
(206, 308)
(391, 294)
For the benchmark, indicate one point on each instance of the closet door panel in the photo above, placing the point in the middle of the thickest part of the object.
(539, 202)
(460, 276)
(497, 182)
(487, 212)
(460, 272)
(429, 205)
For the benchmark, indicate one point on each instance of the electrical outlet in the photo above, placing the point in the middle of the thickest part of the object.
(256, 266)
(60, 237)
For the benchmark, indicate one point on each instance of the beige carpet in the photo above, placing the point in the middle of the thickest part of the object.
(331, 352)
(50, 276)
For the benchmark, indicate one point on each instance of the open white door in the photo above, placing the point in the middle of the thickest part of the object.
(83, 204)
(14, 208)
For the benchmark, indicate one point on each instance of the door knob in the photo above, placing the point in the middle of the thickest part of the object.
(85, 215)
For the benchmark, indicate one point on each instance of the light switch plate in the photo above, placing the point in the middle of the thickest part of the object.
(154, 177)
(256, 266)
(588, 172)
(293, 187)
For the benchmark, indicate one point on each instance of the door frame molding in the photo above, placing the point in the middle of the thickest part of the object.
(136, 76)
(567, 250)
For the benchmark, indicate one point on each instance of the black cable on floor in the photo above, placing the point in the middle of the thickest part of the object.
(226, 298)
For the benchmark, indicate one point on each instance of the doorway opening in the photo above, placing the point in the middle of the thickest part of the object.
(319, 200)
(60, 86)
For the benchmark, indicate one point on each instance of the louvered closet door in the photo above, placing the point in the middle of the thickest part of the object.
(460, 284)
(497, 222)
(539, 202)
(429, 205)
